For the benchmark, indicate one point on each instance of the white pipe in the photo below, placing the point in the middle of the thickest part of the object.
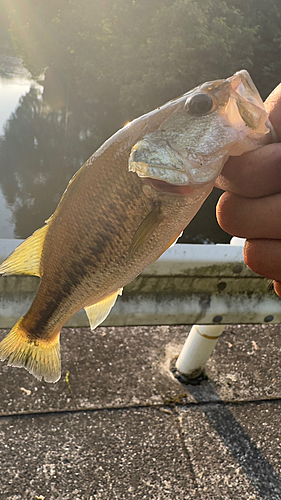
(197, 349)
(201, 341)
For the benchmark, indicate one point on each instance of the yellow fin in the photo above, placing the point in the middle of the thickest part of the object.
(41, 358)
(99, 311)
(145, 229)
(171, 243)
(26, 258)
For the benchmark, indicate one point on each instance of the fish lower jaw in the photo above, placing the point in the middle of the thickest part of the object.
(193, 174)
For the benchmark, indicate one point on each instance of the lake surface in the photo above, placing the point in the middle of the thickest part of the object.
(16, 83)
(42, 144)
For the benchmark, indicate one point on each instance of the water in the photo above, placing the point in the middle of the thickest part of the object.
(12, 87)
(42, 143)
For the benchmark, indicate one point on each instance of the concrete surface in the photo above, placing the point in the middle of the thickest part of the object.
(119, 426)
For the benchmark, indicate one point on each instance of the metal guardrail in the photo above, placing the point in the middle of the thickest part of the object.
(189, 284)
(204, 285)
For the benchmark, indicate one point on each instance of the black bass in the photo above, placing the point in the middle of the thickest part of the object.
(124, 207)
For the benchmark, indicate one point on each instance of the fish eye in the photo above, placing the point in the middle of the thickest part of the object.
(200, 104)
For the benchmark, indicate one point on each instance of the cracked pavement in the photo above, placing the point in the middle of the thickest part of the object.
(119, 426)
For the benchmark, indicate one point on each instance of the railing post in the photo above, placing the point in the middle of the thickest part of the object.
(197, 349)
(200, 343)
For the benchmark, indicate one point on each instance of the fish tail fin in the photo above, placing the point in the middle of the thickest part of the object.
(39, 357)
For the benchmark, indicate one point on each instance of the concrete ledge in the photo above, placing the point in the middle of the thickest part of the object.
(202, 284)
(181, 259)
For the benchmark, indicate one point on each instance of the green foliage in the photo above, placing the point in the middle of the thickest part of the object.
(4, 24)
(128, 56)
(108, 61)
(266, 62)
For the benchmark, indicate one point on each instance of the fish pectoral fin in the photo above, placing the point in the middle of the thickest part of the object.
(99, 311)
(39, 357)
(171, 243)
(26, 258)
(146, 229)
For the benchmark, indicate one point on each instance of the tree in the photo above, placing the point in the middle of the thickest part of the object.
(106, 62)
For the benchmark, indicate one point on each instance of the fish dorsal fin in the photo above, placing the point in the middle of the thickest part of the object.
(99, 311)
(145, 229)
(26, 258)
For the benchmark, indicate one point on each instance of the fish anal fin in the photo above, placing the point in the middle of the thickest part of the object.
(146, 229)
(39, 357)
(99, 311)
(26, 258)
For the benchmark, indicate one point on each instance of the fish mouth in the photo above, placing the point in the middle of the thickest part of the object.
(182, 178)
(249, 103)
(169, 170)
(244, 87)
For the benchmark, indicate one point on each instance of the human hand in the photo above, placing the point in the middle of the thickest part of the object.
(251, 206)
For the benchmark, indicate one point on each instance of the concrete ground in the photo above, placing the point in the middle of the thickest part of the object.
(119, 426)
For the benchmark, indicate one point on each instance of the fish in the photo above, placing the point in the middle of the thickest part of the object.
(124, 207)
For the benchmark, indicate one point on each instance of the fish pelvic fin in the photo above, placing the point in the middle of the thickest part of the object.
(99, 311)
(39, 357)
(26, 258)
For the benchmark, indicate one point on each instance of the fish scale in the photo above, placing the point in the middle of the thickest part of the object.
(123, 208)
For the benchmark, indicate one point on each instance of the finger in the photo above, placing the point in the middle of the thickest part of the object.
(257, 173)
(250, 217)
(277, 287)
(263, 257)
